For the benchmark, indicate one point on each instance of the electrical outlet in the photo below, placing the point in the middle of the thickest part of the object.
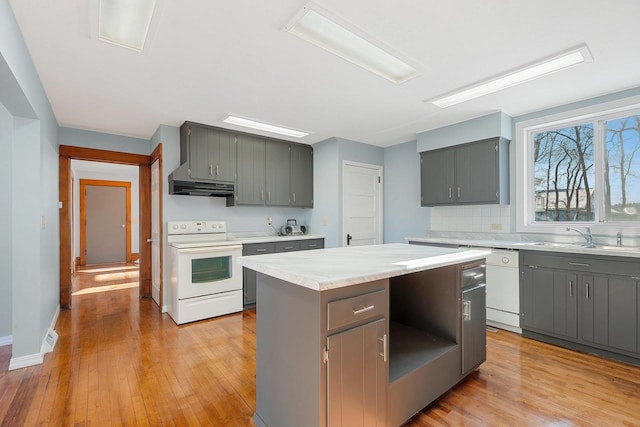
(496, 227)
(269, 221)
(325, 221)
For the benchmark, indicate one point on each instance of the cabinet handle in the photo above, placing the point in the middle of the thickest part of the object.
(450, 193)
(261, 250)
(312, 246)
(466, 310)
(286, 248)
(294, 197)
(217, 170)
(635, 278)
(459, 192)
(262, 195)
(579, 264)
(363, 309)
(570, 288)
(269, 195)
(587, 286)
(385, 346)
(210, 169)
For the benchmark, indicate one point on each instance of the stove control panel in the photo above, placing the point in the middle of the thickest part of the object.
(196, 227)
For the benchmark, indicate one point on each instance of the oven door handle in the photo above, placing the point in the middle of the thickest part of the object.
(210, 249)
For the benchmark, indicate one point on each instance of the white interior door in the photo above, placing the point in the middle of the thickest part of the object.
(362, 199)
(155, 232)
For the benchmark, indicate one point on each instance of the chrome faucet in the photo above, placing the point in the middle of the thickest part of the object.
(619, 239)
(588, 237)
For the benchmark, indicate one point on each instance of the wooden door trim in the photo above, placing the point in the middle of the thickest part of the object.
(83, 214)
(66, 154)
(157, 155)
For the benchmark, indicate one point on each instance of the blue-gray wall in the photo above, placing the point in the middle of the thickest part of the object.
(103, 141)
(403, 215)
(329, 156)
(33, 228)
(6, 132)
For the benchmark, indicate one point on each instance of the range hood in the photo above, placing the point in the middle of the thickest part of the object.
(181, 183)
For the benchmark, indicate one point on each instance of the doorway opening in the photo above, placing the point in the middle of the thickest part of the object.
(143, 238)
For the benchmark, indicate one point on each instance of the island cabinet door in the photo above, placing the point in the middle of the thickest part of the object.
(357, 376)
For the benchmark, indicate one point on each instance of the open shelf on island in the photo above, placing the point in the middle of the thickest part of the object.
(411, 348)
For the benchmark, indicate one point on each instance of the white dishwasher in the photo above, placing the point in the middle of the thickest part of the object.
(503, 290)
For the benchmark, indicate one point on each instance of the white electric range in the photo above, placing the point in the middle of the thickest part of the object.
(205, 279)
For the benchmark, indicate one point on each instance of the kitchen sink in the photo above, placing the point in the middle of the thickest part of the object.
(616, 248)
(607, 248)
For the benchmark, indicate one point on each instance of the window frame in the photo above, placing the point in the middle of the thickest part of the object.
(525, 198)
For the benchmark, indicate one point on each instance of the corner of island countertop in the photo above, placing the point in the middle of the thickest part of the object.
(331, 268)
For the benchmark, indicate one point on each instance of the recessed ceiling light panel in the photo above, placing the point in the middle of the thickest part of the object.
(239, 121)
(333, 34)
(541, 68)
(125, 22)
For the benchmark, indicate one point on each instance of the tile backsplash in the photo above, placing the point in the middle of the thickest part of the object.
(489, 218)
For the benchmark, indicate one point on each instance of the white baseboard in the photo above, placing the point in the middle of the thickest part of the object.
(48, 342)
(24, 361)
(8, 340)
(164, 309)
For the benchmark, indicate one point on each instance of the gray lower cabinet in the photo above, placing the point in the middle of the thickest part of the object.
(356, 376)
(587, 303)
(249, 276)
(609, 311)
(549, 300)
(472, 173)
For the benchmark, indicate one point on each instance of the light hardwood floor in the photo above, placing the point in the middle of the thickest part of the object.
(118, 361)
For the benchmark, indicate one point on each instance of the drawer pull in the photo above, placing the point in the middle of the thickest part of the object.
(261, 250)
(587, 286)
(363, 310)
(313, 246)
(579, 264)
(635, 278)
(570, 288)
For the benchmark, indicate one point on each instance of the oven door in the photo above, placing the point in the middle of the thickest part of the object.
(208, 270)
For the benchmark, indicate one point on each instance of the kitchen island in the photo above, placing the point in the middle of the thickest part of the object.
(363, 335)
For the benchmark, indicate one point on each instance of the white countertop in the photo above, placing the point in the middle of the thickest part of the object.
(338, 267)
(574, 248)
(247, 239)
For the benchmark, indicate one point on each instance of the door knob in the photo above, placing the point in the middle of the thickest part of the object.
(149, 240)
(123, 226)
(349, 237)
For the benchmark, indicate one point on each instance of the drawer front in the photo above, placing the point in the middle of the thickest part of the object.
(258, 248)
(355, 309)
(288, 246)
(588, 264)
(311, 244)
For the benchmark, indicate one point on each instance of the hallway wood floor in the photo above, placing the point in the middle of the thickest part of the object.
(118, 361)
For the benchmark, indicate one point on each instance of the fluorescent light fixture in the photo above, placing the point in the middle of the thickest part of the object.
(319, 27)
(239, 121)
(125, 22)
(542, 68)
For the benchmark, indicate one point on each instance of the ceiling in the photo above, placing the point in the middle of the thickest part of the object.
(205, 59)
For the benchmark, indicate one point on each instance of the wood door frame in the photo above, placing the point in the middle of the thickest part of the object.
(83, 214)
(65, 155)
(157, 155)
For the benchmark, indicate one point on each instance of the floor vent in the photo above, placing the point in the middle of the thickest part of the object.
(50, 341)
(492, 329)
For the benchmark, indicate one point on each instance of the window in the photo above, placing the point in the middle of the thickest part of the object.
(582, 170)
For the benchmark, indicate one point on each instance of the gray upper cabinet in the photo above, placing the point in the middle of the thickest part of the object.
(278, 166)
(212, 152)
(301, 176)
(250, 185)
(438, 177)
(473, 173)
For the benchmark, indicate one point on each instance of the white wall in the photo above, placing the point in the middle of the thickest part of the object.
(103, 141)
(107, 172)
(6, 133)
(403, 215)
